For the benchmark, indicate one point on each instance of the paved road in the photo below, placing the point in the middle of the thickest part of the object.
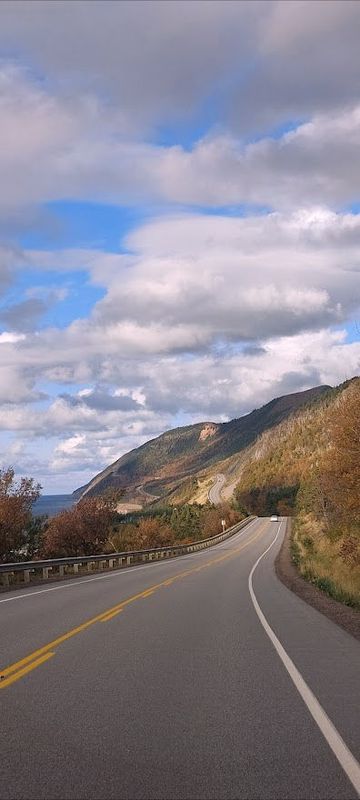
(214, 493)
(166, 681)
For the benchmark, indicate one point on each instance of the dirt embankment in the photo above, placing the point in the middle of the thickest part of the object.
(348, 618)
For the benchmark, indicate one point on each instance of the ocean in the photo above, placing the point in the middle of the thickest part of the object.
(52, 504)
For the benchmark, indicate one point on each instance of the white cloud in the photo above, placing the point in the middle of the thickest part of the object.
(7, 337)
(54, 147)
(153, 60)
(158, 61)
(204, 315)
(193, 283)
(237, 278)
(307, 59)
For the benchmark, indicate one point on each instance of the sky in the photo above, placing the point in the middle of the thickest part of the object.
(179, 218)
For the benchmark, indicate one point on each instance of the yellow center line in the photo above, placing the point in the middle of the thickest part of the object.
(25, 665)
(110, 616)
(25, 670)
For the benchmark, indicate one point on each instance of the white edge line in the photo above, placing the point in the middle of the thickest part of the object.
(118, 573)
(341, 751)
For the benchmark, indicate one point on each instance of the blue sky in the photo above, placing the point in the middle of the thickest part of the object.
(179, 221)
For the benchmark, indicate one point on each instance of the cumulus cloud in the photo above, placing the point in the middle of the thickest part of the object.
(315, 163)
(159, 61)
(53, 147)
(203, 315)
(307, 59)
(239, 278)
(195, 283)
(155, 60)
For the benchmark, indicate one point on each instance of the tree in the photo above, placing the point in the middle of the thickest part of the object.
(16, 500)
(185, 522)
(152, 532)
(80, 531)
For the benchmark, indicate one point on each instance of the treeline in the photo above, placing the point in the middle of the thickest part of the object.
(93, 526)
(182, 524)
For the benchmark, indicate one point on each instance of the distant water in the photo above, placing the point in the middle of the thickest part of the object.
(52, 504)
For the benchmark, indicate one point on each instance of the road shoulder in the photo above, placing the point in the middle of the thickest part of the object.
(347, 618)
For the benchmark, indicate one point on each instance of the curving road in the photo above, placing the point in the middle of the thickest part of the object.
(214, 493)
(203, 677)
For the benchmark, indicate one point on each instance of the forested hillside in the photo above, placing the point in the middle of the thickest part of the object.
(309, 466)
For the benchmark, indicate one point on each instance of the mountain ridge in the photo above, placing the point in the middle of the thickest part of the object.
(162, 465)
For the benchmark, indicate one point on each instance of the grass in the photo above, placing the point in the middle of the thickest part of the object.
(317, 554)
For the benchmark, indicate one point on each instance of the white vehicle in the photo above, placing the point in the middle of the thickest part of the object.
(274, 518)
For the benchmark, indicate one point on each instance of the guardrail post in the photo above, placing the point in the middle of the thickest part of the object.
(128, 560)
(26, 576)
(5, 580)
(45, 573)
(75, 568)
(61, 570)
(111, 563)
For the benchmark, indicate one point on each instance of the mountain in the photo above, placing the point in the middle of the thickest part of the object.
(308, 467)
(173, 465)
(289, 458)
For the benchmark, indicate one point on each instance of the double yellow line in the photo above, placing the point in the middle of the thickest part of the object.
(21, 668)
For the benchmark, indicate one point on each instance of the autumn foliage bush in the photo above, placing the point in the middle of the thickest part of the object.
(16, 522)
(81, 530)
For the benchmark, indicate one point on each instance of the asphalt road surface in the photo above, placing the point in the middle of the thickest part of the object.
(214, 493)
(202, 677)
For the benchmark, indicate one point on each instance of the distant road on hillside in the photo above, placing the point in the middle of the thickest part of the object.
(197, 677)
(214, 493)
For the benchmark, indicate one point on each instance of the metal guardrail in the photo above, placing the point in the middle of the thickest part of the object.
(22, 572)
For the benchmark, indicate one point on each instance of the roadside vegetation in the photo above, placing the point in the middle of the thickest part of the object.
(93, 525)
(309, 468)
(178, 525)
(20, 533)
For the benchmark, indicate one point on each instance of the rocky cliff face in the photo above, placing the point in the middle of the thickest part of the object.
(208, 430)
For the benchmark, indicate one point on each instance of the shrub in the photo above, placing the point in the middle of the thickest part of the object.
(81, 530)
(16, 499)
